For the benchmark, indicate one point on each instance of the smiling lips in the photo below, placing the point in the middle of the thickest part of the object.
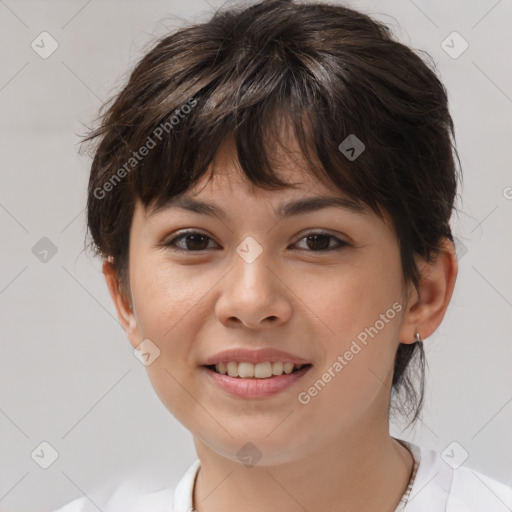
(253, 388)
(260, 364)
(263, 370)
(255, 373)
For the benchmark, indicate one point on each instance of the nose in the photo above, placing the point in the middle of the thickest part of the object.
(254, 295)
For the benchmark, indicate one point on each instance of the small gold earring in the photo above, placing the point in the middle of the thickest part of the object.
(417, 336)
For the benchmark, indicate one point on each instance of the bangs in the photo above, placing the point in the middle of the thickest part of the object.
(264, 111)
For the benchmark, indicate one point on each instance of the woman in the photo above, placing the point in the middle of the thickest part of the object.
(271, 195)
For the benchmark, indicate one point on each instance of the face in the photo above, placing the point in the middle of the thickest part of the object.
(254, 280)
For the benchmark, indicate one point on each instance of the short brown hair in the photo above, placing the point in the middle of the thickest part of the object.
(330, 72)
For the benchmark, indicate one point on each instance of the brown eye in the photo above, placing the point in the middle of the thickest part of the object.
(191, 242)
(320, 242)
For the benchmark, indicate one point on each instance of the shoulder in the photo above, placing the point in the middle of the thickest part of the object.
(135, 496)
(125, 498)
(473, 491)
(441, 487)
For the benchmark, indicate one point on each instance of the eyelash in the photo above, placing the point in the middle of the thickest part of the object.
(171, 244)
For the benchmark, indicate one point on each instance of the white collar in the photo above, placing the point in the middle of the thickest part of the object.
(428, 477)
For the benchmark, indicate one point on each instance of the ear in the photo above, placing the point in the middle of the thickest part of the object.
(427, 306)
(123, 304)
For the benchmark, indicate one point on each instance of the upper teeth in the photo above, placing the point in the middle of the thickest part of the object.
(260, 370)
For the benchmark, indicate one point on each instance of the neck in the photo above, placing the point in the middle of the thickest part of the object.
(337, 477)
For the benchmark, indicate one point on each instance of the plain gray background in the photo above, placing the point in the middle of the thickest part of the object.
(68, 374)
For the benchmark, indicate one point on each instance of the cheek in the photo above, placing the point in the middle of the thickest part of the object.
(359, 313)
(346, 299)
(166, 298)
(168, 306)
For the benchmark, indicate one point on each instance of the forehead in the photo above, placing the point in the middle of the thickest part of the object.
(226, 193)
(225, 190)
(229, 187)
(230, 180)
(225, 177)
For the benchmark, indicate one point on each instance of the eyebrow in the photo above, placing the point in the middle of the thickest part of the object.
(298, 207)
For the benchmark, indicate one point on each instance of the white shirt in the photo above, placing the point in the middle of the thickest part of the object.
(434, 487)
